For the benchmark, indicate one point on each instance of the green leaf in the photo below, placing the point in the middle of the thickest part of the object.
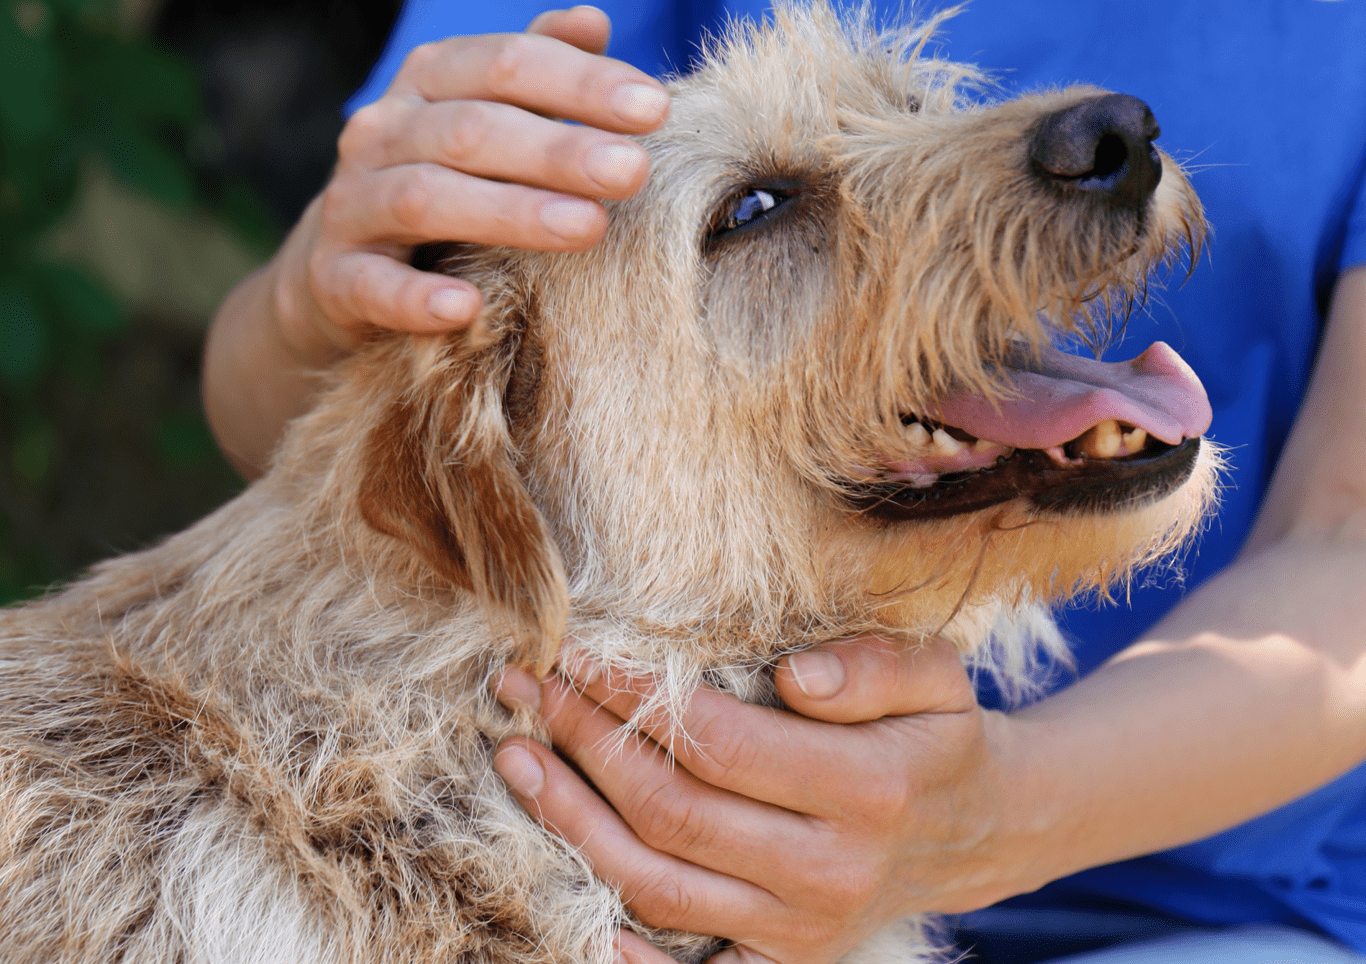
(184, 440)
(135, 79)
(243, 209)
(37, 182)
(147, 165)
(80, 300)
(23, 337)
(73, 8)
(28, 87)
(32, 452)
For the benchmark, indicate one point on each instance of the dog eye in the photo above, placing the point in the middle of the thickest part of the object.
(749, 207)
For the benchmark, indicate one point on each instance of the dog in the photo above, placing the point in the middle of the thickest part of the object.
(806, 387)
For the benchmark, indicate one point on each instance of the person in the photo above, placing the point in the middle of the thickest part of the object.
(1204, 773)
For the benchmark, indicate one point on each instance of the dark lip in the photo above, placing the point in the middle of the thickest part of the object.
(1092, 486)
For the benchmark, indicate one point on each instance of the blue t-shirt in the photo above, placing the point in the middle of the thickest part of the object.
(1265, 100)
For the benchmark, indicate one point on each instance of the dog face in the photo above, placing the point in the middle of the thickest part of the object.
(807, 381)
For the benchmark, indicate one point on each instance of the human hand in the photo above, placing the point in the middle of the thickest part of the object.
(462, 148)
(790, 836)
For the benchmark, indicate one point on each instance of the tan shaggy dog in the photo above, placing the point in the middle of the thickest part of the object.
(804, 388)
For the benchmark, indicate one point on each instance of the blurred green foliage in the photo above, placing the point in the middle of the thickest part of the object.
(77, 84)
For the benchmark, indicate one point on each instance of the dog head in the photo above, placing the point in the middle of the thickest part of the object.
(809, 377)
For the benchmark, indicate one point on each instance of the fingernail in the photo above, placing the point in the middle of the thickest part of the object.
(581, 667)
(570, 219)
(520, 770)
(517, 689)
(818, 675)
(615, 166)
(640, 103)
(453, 305)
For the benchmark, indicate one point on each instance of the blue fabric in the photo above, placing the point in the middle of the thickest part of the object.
(658, 38)
(1266, 101)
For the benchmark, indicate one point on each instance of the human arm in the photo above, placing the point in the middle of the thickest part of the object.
(456, 150)
(797, 839)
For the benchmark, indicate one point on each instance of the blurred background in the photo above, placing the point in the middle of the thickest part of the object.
(152, 152)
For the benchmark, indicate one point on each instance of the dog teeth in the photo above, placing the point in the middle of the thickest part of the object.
(1134, 440)
(946, 444)
(1102, 442)
(1056, 453)
(917, 435)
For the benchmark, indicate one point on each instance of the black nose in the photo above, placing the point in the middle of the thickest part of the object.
(1102, 145)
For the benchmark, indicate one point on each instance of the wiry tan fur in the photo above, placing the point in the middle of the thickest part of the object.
(268, 739)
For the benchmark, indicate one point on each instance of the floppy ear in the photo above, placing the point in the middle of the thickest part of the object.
(439, 475)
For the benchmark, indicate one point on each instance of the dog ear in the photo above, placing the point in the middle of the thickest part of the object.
(439, 475)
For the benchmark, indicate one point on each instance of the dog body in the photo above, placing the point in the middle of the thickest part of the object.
(740, 425)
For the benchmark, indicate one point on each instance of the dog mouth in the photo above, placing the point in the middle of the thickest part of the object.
(1070, 435)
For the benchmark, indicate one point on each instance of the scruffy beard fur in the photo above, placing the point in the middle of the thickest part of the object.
(269, 738)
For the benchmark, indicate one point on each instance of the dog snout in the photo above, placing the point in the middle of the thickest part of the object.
(1102, 145)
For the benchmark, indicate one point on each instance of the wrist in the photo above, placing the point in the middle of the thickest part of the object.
(259, 353)
(300, 326)
(1029, 800)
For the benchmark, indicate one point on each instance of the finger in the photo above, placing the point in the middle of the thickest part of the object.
(415, 203)
(739, 954)
(585, 27)
(666, 807)
(538, 73)
(746, 749)
(363, 286)
(662, 890)
(634, 949)
(870, 677)
(494, 141)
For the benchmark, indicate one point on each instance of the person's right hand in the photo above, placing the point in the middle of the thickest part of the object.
(463, 147)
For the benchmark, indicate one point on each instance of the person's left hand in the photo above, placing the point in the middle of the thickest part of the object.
(794, 836)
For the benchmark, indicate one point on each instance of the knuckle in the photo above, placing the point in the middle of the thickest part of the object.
(882, 798)
(409, 301)
(289, 301)
(509, 60)
(363, 130)
(361, 284)
(722, 753)
(591, 84)
(319, 268)
(662, 900)
(663, 819)
(853, 885)
(421, 57)
(466, 137)
(334, 202)
(411, 200)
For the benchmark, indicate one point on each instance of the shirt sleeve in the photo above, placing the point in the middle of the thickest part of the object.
(1354, 240)
(423, 21)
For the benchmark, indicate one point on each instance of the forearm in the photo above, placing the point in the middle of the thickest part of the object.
(1249, 695)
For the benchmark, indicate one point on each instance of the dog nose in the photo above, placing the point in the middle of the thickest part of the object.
(1102, 145)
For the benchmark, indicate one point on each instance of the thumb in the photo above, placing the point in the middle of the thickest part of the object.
(868, 677)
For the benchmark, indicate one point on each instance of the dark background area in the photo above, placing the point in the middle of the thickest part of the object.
(150, 154)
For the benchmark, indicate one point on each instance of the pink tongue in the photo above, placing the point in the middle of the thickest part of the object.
(1059, 396)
